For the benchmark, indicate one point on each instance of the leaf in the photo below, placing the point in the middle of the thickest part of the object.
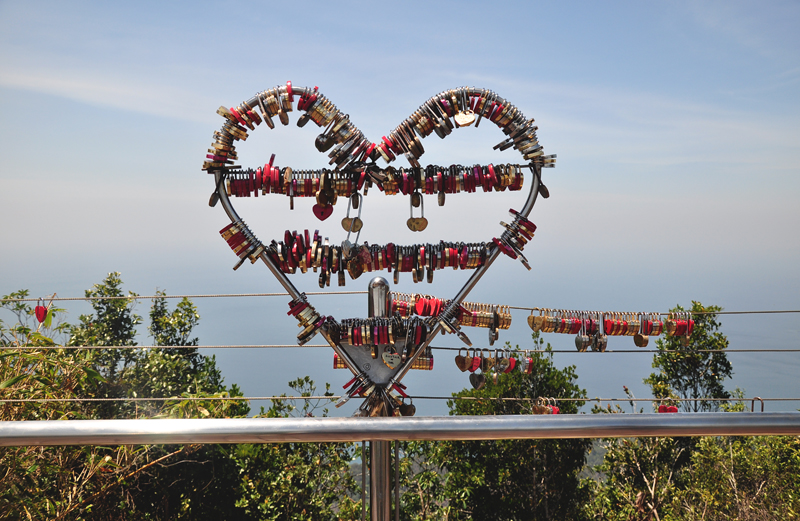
(43, 381)
(49, 319)
(11, 381)
(203, 411)
(93, 375)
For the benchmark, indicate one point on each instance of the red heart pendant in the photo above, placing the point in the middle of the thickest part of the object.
(41, 313)
(322, 212)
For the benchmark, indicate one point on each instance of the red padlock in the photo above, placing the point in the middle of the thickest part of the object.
(41, 313)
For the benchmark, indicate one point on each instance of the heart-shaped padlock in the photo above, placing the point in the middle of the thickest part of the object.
(502, 364)
(599, 342)
(488, 362)
(477, 380)
(391, 359)
(463, 362)
(408, 409)
(41, 312)
(582, 342)
(477, 361)
(353, 224)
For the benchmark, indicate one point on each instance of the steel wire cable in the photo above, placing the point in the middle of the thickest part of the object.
(754, 312)
(438, 348)
(150, 297)
(479, 398)
(231, 295)
(237, 346)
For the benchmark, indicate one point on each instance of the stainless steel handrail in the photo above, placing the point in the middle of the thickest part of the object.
(281, 430)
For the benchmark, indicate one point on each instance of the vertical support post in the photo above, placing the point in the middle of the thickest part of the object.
(396, 480)
(363, 481)
(378, 298)
(380, 499)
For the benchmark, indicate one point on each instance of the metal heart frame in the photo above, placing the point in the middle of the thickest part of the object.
(517, 129)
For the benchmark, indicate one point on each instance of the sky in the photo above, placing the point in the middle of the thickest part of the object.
(675, 125)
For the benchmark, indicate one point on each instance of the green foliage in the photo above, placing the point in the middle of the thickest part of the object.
(250, 482)
(173, 328)
(643, 479)
(640, 479)
(97, 482)
(744, 478)
(689, 373)
(726, 478)
(112, 324)
(296, 481)
(504, 479)
(709, 478)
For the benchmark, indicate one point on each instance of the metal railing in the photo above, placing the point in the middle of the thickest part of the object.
(282, 430)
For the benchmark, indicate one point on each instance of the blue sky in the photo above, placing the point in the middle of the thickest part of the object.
(675, 126)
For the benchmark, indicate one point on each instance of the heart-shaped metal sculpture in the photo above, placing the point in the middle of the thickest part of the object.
(402, 342)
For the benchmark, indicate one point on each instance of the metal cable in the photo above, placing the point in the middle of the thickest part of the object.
(244, 346)
(169, 399)
(516, 399)
(279, 398)
(225, 295)
(521, 351)
(508, 351)
(147, 297)
(770, 311)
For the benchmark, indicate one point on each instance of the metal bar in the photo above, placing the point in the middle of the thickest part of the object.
(379, 450)
(379, 480)
(378, 301)
(363, 481)
(283, 430)
(396, 480)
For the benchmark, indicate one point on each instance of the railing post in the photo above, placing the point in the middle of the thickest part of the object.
(380, 451)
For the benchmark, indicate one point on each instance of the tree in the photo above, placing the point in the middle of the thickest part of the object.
(692, 372)
(296, 481)
(173, 328)
(743, 478)
(99, 482)
(113, 324)
(710, 478)
(638, 476)
(503, 479)
(197, 482)
(173, 370)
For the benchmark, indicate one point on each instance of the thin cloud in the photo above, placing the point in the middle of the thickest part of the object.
(109, 90)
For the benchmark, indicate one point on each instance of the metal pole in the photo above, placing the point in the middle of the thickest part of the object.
(380, 451)
(380, 499)
(363, 481)
(353, 430)
(396, 480)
